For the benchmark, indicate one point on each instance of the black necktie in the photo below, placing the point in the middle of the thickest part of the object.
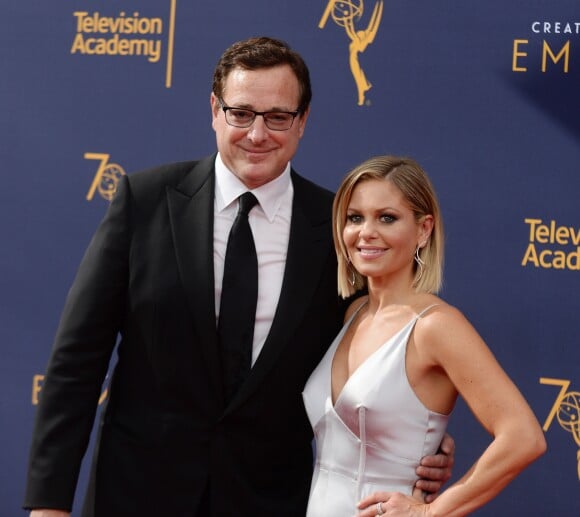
(238, 299)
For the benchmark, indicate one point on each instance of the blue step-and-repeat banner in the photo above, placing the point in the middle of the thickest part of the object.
(484, 94)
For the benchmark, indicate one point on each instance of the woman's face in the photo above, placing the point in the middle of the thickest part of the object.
(381, 233)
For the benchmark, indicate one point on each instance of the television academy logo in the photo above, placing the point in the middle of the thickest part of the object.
(552, 245)
(126, 34)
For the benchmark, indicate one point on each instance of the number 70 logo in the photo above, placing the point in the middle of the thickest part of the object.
(106, 178)
(566, 410)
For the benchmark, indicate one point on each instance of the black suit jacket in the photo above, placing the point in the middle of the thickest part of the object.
(166, 437)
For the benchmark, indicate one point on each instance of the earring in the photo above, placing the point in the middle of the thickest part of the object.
(352, 279)
(420, 263)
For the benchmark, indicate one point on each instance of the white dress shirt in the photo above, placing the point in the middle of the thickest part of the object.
(270, 224)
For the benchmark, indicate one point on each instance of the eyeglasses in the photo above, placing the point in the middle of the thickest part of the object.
(274, 120)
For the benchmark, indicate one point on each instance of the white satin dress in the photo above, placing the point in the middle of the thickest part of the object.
(375, 434)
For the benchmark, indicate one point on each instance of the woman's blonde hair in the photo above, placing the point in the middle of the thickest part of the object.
(408, 176)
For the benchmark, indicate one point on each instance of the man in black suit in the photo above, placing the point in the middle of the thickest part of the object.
(170, 442)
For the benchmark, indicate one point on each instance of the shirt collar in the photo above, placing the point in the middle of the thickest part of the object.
(270, 195)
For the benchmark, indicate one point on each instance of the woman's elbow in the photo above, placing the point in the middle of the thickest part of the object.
(533, 443)
(541, 446)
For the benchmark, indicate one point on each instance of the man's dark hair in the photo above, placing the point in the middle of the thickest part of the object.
(259, 53)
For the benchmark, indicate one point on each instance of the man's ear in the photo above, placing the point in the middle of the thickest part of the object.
(215, 107)
(303, 118)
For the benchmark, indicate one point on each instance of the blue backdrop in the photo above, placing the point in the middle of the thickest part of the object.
(485, 95)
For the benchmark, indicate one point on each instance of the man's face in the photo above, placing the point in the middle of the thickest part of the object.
(256, 154)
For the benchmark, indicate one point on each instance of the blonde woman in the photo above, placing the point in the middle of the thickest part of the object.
(381, 397)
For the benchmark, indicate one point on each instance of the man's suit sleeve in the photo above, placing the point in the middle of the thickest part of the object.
(87, 334)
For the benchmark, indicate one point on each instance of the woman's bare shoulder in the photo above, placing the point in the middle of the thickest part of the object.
(439, 318)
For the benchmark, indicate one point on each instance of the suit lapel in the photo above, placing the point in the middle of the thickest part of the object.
(191, 213)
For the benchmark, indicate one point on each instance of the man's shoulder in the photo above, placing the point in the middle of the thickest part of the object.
(308, 188)
(168, 173)
(312, 200)
(186, 176)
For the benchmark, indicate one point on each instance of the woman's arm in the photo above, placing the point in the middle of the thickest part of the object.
(494, 400)
(446, 339)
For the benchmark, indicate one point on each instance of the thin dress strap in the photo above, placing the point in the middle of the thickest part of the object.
(427, 309)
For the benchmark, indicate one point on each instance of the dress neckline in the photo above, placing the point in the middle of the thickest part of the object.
(345, 328)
